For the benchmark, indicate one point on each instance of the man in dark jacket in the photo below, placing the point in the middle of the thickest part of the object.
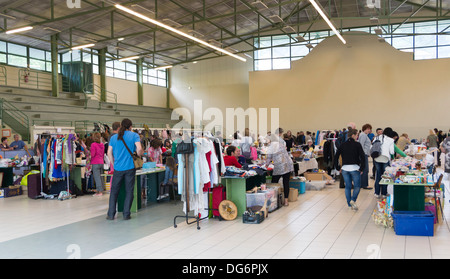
(353, 164)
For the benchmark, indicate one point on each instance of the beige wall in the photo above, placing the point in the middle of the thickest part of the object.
(127, 92)
(364, 82)
(219, 83)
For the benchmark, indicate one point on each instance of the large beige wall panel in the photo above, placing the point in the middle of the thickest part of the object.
(155, 96)
(127, 91)
(364, 81)
(219, 83)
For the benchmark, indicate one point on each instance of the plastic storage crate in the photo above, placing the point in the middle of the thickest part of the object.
(419, 223)
(299, 185)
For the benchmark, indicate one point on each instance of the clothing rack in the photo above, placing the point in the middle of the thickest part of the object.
(186, 180)
(52, 135)
(186, 191)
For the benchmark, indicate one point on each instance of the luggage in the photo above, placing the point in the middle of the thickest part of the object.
(34, 186)
(279, 193)
(218, 195)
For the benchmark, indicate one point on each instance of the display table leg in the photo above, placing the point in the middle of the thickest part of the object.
(136, 205)
(409, 198)
(75, 175)
(236, 192)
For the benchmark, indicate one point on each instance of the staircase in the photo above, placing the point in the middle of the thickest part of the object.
(22, 108)
(15, 118)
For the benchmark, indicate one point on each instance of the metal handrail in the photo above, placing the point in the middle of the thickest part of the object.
(3, 75)
(34, 78)
(15, 113)
(67, 123)
(95, 91)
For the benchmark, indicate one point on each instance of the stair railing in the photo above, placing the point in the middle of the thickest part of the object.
(94, 91)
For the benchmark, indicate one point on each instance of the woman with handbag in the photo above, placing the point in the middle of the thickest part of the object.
(120, 152)
(283, 165)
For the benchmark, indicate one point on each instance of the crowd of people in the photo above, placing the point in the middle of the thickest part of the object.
(353, 149)
(352, 153)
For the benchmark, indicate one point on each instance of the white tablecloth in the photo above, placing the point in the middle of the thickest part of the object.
(303, 166)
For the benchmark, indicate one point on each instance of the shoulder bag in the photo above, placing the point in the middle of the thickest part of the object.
(185, 148)
(138, 162)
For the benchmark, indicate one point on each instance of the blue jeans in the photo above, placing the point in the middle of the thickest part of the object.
(97, 170)
(128, 177)
(350, 176)
(380, 168)
(365, 174)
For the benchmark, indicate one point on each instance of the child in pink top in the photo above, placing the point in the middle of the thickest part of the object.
(97, 161)
(154, 152)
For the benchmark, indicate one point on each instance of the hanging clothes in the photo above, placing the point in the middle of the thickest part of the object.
(203, 173)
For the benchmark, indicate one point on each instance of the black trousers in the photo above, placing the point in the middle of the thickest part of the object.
(129, 176)
(286, 178)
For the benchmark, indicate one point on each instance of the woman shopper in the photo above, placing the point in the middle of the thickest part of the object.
(432, 144)
(384, 160)
(155, 152)
(282, 163)
(97, 162)
(445, 148)
(124, 169)
(353, 165)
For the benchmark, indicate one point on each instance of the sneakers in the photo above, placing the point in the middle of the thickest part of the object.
(98, 194)
(353, 205)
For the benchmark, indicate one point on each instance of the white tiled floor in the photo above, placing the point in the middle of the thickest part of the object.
(318, 226)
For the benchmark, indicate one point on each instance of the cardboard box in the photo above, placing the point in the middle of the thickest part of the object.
(293, 195)
(11, 191)
(317, 176)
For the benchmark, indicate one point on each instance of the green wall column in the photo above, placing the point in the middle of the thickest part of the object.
(168, 89)
(55, 74)
(140, 81)
(102, 73)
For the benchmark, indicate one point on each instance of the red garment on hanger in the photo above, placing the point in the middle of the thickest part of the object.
(207, 186)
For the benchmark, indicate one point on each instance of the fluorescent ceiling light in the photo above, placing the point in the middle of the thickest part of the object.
(322, 14)
(275, 18)
(300, 38)
(374, 20)
(259, 5)
(164, 67)
(172, 23)
(288, 29)
(129, 58)
(120, 7)
(121, 39)
(83, 46)
(52, 29)
(19, 30)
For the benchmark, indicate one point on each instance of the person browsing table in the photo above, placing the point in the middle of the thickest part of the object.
(124, 169)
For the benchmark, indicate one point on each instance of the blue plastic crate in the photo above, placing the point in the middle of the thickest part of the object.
(420, 223)
(299, 185)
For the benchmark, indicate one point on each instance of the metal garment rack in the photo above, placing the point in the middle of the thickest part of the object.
(186, 192)
(186, 177)
(40, 168)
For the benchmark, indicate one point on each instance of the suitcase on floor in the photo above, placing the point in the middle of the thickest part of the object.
(34, 186)
(218, 195)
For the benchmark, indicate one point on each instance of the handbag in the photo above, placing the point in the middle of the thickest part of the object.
(185, 148)
(138, 162)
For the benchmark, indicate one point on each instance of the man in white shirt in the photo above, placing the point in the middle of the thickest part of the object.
(383, 161)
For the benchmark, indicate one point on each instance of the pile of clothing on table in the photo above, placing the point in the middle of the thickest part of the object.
(246, 171)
